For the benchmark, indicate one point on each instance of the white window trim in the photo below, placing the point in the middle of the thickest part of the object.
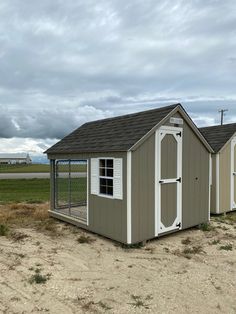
(104, 177)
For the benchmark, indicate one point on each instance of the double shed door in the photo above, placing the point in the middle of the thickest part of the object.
(169, 179)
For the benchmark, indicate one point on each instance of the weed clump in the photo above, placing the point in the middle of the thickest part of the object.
(206, 227)
(85, 239)
(132, 246)
(138, 302)
(186, 241)
(227, 247)
(3, 230)
(215, 242)
(38, 278)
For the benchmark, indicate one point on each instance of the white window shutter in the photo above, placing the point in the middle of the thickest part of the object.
(94, 176)
(117, 181)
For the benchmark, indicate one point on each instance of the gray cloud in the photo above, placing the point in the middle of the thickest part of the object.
(67, 62)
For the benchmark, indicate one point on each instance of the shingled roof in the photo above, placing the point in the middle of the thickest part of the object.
(218, 135)
(112, 134)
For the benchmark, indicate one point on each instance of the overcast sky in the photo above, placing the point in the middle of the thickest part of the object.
(63, 63)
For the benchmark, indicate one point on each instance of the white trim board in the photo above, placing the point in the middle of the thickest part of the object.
(210, 185)
(88, 191)
(217, 183)
(159, 228)
(232, 196)
(129, 195)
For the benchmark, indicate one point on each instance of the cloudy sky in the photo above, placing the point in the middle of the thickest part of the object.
(63, 63)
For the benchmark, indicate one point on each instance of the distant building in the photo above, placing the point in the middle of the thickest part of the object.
(13, 159)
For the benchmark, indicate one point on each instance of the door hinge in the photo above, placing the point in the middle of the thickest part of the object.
(178, 180)
(178, 225)
(179, 134)
(161, 181)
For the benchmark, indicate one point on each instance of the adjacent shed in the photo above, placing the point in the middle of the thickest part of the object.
(134, 177)
(222, 139)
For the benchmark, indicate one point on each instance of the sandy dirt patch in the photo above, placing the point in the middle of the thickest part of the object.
(193, 271)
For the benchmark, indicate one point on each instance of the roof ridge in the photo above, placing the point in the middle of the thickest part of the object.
(217, 125)
(133, 114)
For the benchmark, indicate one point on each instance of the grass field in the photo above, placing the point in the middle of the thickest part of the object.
(24, 190)
(35, 168)
(38, 190)
(24, 168)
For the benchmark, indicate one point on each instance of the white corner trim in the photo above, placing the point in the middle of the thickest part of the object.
(129, 202)
(210, 184)
(88, 191)
(232, 201)
(156, 185)
(217, 183)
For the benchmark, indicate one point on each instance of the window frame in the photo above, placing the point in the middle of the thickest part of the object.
(106, 177)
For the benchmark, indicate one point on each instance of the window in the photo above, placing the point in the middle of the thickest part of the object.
(106, 170)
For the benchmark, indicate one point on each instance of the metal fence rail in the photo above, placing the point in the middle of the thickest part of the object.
(71, 187)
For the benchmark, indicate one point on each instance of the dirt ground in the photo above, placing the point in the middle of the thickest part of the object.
(62, 269)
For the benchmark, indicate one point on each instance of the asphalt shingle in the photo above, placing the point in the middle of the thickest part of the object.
(218, 135)
(112, 134)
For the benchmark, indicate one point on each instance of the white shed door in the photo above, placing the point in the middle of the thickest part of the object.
(169, 179)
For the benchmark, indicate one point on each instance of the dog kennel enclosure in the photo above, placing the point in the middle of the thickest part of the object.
(136, 177)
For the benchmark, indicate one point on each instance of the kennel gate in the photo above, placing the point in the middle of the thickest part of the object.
(71, 188)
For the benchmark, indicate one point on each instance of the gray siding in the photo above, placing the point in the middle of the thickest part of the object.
(107, 217)
(195, 187)
(225, 179)
(142, 187)
(213, 186)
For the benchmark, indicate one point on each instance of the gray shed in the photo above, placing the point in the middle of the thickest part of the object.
(134, 177)
(222, 139)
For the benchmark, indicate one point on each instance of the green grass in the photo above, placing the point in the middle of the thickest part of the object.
(35, 168)
(24, 190)
(24, 168)
(38, 190)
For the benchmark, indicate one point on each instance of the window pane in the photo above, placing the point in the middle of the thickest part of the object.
(103, 182)
(110, 190)
(102, 163)
(102, 172)
(109, 182)
(110, 163)
(109, 172)
(103, 189)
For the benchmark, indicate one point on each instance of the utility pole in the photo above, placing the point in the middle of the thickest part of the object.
(222, 113)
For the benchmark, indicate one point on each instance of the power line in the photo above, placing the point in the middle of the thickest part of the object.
(222, 114)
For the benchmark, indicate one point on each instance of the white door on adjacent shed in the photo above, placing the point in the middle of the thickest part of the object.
(168, 179)
(233, 174)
